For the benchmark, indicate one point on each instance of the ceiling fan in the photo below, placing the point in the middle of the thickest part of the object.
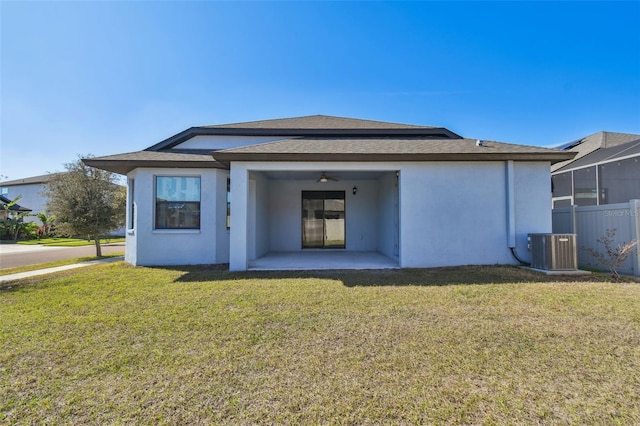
(324, 178)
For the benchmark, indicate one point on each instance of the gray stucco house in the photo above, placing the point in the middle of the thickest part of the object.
(332, 192)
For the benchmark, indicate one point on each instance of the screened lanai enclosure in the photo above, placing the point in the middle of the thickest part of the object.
(598, 184)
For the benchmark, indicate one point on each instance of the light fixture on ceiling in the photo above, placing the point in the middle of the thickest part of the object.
(355, 190)
(324, 178)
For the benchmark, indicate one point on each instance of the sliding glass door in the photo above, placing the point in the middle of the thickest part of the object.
(323, 219)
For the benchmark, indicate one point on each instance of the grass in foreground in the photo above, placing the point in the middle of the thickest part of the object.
(69, 242)
(27, 268)
(492, 345)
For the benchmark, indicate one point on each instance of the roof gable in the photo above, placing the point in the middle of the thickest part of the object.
(313, 125)
(318, 122)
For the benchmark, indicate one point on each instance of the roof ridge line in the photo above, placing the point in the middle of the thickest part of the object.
(418, 126)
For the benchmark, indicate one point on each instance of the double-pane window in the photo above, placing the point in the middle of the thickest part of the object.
(177, 202)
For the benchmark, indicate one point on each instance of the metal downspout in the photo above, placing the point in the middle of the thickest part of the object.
(511, 212)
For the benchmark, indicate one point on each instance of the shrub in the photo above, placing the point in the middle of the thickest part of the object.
(614, 255)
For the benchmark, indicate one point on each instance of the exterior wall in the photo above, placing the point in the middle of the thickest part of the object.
(226, 142)
(222, 233)
(285, 218)
(259, 216)
(532, 185)
(361, 213)
(456, 213)
(387, 216)
(149, 246)
(451, 213)
(31, 198)
(131, 224)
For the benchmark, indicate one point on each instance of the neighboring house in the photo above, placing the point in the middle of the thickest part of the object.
(31, 190)
(16, 207)
(606, 170)
(320, 191)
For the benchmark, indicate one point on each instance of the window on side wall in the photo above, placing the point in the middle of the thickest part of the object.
(132, 205)
(177, 202)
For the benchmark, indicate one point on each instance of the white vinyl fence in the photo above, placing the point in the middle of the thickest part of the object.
(592, 222)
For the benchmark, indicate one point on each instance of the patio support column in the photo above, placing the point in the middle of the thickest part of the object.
(239, 197)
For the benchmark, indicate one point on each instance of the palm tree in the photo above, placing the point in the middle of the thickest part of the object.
(47, 222)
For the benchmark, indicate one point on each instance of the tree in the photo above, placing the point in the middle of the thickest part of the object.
(86, 201)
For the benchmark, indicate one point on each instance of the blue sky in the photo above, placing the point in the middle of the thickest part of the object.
(112, 77)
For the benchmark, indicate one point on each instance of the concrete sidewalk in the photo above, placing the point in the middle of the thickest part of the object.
(20, 275)
(15, 255)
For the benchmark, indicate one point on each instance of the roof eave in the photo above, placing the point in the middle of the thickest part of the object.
(123, 167)
(553, 157)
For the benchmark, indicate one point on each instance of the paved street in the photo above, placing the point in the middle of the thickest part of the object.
(12, 255)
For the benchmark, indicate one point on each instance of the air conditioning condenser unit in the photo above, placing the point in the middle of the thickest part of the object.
(554, 252)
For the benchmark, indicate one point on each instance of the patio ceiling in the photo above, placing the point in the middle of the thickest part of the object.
(313, 175)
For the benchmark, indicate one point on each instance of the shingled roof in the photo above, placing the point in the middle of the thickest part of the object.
(387, 149)
(124, 163)
(29, 180)
(591, 143)
(325, 138)
(312, 125)
(604, 155)
(318, 122)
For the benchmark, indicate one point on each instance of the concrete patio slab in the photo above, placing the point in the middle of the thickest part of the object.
(548, 272)
(322, 259)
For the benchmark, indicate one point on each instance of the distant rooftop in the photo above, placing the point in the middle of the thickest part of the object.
(29, 180)
(605, 155)
(591, 143)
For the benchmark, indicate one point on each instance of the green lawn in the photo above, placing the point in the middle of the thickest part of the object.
(476, 345)
(70, 242)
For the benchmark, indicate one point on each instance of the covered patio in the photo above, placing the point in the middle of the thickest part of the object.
(322, 259)
(326, 217)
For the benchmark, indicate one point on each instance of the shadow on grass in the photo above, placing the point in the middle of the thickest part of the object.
(462, 275)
